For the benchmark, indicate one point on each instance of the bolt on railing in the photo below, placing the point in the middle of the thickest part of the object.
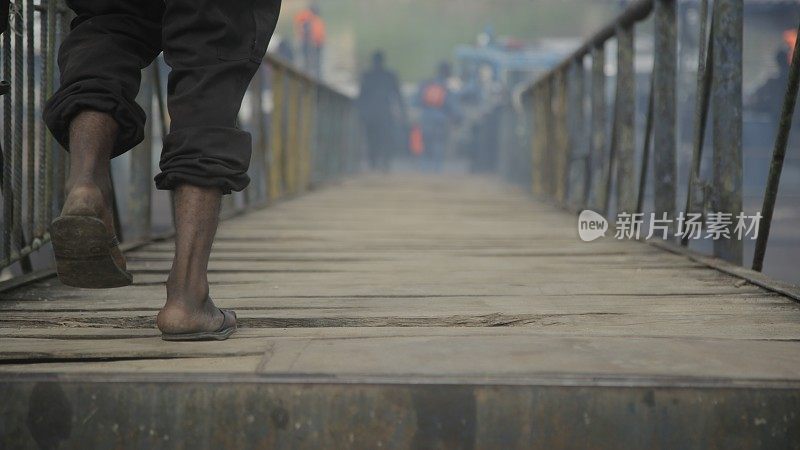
(304, 133)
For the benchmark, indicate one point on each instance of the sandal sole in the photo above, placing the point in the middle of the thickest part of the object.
(204, 336)
(83, 254)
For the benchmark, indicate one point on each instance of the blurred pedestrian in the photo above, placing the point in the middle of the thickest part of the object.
(310, 32)
(438, 111)
(285, 50)
(383, 112)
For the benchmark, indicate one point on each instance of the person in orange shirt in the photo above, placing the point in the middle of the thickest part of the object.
(301, 19)
(311, 33)
(439, 110)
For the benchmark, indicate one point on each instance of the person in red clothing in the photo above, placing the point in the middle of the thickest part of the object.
(310, 31)
(438, 111)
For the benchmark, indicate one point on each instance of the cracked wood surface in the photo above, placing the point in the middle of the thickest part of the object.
(407, 276)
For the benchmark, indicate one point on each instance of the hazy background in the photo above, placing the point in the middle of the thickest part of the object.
(416, 34)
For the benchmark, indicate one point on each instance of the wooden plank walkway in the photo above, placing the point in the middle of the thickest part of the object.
(411, 312)
(419, 276)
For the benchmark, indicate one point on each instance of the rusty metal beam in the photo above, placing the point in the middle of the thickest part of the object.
(218, 411)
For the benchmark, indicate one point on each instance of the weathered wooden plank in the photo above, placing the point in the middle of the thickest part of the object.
(445, 355)
(526, 355)
(740, 302)
(151, 364)
(734, 325)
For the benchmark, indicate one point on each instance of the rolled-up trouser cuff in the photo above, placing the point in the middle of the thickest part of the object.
(95, 95)
(205, 156)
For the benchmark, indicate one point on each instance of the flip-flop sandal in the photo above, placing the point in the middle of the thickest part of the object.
(83, 250)
(224, 332)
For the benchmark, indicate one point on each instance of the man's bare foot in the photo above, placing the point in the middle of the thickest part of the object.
(182, 316)
(189, 313)
(89, 192)
(84, 243)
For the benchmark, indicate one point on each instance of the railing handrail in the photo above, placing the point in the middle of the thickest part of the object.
(278, 61)
(634, 13)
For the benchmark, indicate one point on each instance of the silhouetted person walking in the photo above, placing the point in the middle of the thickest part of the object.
(383, 112)
(214, 49)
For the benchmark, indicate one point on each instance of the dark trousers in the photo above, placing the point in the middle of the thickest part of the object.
(380, 141)
(435, 140)
(213, 48)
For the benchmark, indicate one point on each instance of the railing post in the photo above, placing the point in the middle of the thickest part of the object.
(8, 158)
(313, 138)
(562, 141)
(30, 109)
(576, 126)
(551, 148)
(292, 133)
(664, 79)
(42, 221)
(48, 79)
(726, 99)
(305, 133)
(139, 193)
(705, 69)
(258, 127)
(598, 144)
(626, 109)
(647, 140)
(275, 159)
(539, 141)
(17, 86)
(339, 132)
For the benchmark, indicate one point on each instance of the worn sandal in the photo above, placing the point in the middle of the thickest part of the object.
(83, 250)
(224, 332)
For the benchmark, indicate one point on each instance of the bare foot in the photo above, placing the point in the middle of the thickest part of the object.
(189, 309)
(92, 137)
(182, 317)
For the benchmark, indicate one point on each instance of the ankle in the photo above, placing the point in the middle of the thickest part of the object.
(84, 198)
(186, 289)
(81, 177)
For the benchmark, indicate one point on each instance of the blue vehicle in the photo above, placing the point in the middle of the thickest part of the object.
(491, 74)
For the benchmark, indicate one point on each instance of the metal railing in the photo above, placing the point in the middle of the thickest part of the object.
(304, 133)
(564, 119)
